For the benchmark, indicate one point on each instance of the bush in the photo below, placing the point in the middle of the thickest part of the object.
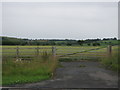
(96, 44)
(88, 44)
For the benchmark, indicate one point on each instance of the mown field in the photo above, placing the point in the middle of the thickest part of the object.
(60, 50)
(41, 67)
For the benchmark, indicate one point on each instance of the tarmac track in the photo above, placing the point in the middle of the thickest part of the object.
(74, 75)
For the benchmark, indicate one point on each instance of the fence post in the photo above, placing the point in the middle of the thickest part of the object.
(109, 50)
(17, 52)
(54, 51)
(37, 53)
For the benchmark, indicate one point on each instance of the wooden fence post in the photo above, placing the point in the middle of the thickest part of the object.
(37, 53)
(17, 52)
(54, 51)
(109, 50)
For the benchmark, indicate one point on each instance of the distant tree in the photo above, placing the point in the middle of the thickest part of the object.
(52, 43)
(96, 44)
(114, 38)
(88, 44)
(80, 42)
(69, 44)
(110, 38)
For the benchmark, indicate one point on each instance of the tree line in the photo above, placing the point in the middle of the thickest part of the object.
(67, 42)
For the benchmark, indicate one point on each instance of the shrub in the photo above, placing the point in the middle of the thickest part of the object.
(88, 44)
(96, 44)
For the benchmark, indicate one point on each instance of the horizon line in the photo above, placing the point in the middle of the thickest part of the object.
(53, 38)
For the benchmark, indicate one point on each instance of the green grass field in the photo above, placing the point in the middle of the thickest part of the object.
(31, 50)
(80, 52)
(42, 67)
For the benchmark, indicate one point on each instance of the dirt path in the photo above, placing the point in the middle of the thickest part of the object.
(79, 75)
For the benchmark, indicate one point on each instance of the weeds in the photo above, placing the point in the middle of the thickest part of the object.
(111, 62)
(22, 71)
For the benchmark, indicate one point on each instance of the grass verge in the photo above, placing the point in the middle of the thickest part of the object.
(15, 72)
(111, 62)
(78, 58)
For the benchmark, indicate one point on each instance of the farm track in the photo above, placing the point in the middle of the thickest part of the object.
(85, 74)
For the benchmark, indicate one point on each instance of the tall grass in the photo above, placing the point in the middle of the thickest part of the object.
(22, 71)
(111, 62)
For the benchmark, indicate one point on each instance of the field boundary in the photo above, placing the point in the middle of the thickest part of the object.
(56, 51)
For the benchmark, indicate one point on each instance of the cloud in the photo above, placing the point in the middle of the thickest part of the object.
(60, 20)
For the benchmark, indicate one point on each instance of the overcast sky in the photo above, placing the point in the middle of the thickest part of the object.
(70, 20)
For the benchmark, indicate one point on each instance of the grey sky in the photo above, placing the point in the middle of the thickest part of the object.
(69, 20)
